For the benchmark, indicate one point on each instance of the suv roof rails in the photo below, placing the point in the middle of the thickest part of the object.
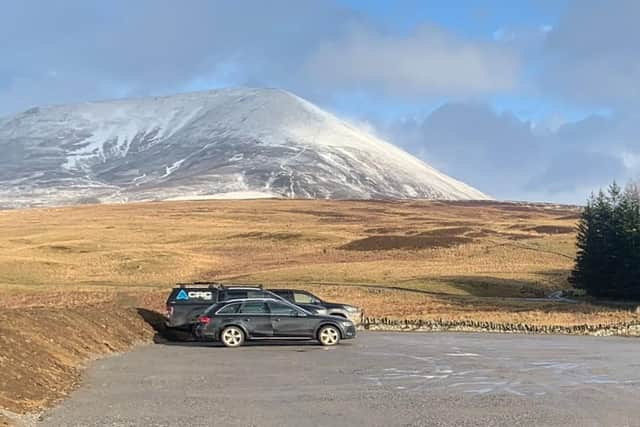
(199, 284)
(217, 285)
(251, 299)
(239, 285)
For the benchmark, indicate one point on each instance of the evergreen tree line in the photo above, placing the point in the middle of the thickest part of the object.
(608, 257)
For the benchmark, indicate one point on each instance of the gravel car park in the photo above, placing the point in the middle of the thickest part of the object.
(237, 321)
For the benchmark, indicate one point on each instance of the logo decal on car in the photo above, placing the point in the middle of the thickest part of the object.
(184, 295)
(201, 295)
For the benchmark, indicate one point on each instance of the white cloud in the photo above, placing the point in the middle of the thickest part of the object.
(592, 56)
(426, 62)
(316, 49)
(504, 156)
(156, 46)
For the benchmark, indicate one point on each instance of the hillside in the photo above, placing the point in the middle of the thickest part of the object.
(231, 143)
(453, 250)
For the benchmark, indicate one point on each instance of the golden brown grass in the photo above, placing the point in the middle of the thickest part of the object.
(156, 244)
(469, 259)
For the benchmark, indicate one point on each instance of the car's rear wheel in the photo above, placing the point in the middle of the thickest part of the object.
(232, 336)
(329, 335)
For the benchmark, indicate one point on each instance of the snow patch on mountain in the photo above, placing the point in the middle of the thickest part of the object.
(222, 143)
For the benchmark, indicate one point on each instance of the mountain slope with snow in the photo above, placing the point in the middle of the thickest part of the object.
(216, 144)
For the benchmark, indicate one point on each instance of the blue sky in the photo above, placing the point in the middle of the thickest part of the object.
(472, 18)
(534, 100)
(475, 20)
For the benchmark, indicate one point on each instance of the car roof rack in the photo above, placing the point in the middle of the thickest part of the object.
(251, 299)
(199, 285)
(239, 285)
(217, 285)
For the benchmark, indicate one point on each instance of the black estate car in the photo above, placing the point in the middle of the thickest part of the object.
(234, 322)
(188, 301)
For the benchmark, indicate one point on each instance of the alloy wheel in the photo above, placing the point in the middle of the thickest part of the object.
(232, 337)
(329, 335)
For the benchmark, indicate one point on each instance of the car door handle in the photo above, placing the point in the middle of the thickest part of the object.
(276, 320)
(247, 320)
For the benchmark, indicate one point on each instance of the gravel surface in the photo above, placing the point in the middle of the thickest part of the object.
(379, 379)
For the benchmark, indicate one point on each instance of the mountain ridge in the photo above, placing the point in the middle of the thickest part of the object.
(265, 142)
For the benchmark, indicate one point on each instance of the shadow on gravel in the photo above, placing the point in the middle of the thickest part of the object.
(164, 335)
(303, 345)
(153, 319)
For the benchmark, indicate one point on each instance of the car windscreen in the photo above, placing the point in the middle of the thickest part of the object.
(305, 298)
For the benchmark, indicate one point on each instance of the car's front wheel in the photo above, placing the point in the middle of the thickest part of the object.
(232, 336)
(329, 335)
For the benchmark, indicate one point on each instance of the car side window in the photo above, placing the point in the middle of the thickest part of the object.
(304, 298)
(229, 295)
(280, 309)
(256, 294)
(229, 309)
(254, 308)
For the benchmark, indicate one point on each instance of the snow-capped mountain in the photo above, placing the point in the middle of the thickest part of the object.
(224, 143)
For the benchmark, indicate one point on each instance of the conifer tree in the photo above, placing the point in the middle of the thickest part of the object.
(608, 245)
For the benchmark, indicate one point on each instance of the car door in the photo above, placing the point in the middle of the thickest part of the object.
(254, 315)
(287, 321)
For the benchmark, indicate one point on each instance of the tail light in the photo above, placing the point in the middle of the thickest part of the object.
(204, 320)
(169, 311)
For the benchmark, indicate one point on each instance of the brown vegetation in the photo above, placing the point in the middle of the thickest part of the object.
(553, 229)
(428, 246)
(93, 265)
(386, 243)
(42, 349)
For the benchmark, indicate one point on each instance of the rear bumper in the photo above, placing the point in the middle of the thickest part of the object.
(201, 333)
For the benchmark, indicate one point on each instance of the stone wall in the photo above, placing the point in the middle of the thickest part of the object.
(384, 324)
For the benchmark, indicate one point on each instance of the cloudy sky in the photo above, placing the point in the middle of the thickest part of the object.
(530, 100)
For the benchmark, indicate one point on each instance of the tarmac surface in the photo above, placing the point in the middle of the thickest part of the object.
(378, 379)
